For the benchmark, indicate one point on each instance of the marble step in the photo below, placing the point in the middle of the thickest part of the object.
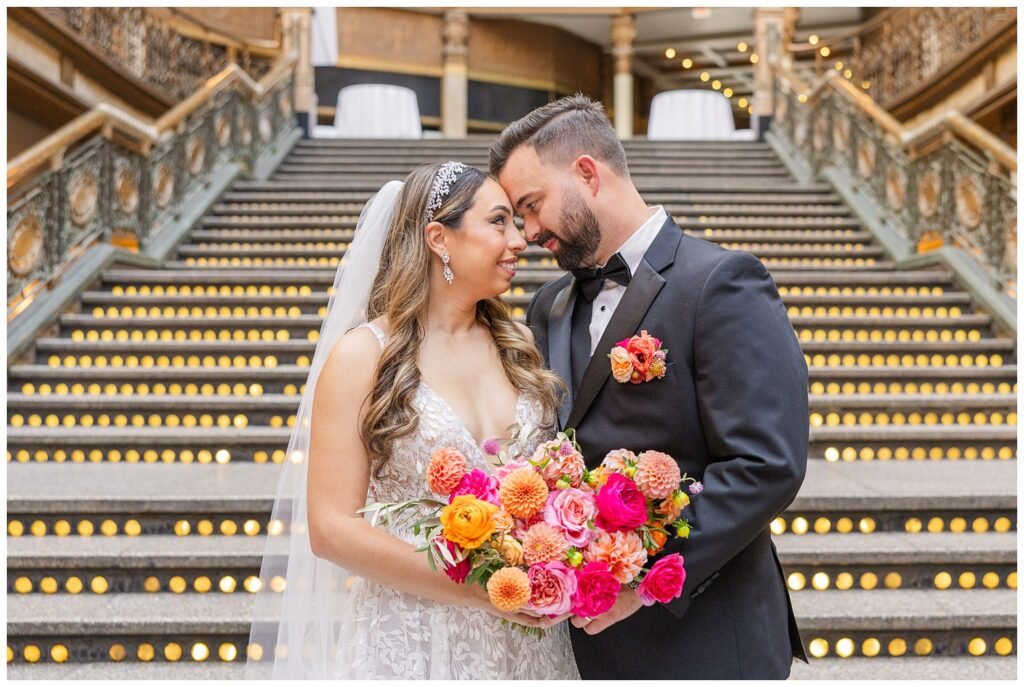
(919, 668)
(243, 487)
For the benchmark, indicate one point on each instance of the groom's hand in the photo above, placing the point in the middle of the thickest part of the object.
(627, 603)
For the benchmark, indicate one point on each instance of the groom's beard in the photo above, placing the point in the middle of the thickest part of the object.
(581, 234)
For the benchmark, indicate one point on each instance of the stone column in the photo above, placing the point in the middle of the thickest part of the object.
(296, 33)
(773, 33)
(454, 78)
(623, 35)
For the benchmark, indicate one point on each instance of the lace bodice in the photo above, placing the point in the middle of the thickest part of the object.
(408, 637)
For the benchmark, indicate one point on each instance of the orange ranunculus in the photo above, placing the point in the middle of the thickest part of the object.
(641, 351)
(659, 541)
(467, 521)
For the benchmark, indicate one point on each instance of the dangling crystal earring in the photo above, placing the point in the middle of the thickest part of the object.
(448, 276)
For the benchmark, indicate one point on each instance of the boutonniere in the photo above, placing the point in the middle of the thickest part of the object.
(638, 359)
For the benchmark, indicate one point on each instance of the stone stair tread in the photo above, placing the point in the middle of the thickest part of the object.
(942, 485)
(948, 402)
(166, 550)
(871, 347)
(268, 401)
(138, 613)
(914, 668)
(292, 372)
(897, 548)
(250, 487)
(129, 670)
(887, 433)
(905, 609)
(144, 552)
(919, 668)
(129, 614)
(262, 435)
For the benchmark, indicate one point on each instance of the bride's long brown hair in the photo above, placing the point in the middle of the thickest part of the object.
(400, 293)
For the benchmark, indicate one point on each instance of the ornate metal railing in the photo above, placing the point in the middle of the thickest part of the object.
(107, 175)
(175, 58)
(900, 50)
(949, 179)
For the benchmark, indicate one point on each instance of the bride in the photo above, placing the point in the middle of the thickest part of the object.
(417, 352)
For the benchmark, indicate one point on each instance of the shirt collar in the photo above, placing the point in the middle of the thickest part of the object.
(634, 248)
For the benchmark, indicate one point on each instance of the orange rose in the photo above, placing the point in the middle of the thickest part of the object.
(511, 551)
(622, 365)
(467, 521)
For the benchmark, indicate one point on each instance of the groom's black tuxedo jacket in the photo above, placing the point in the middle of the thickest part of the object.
(732, 410)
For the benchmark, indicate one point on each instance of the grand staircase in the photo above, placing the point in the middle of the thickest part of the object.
(146, 427)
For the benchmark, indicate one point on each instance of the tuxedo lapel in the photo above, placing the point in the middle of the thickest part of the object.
(559, 323)
(640, 294)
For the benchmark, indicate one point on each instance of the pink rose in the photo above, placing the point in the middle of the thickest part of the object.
(569, 510)
(457, 572)
(620, 505)
(552, 586)
(664, 582)
(596, 590)
(523, 526)
(510, 467)
(479, 484)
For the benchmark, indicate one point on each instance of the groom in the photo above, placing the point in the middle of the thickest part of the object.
(731, 407)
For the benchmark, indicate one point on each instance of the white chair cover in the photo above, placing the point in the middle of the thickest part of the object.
(693, 115)
(374, 111)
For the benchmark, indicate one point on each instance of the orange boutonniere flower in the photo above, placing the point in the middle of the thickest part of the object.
(638, 359)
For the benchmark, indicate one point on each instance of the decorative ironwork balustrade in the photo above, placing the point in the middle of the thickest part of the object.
(948, 179)
(914, 44)
(155, 52)
(106, 174)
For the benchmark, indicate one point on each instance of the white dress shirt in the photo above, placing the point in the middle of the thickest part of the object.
(632, 252)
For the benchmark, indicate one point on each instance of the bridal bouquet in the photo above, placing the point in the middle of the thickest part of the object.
(544, 534)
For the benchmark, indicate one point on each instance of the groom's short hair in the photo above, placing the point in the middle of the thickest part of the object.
(560, 132)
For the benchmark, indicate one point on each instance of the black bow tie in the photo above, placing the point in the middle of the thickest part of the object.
(591, 279)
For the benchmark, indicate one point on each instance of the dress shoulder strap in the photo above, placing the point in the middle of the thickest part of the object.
(378, 332)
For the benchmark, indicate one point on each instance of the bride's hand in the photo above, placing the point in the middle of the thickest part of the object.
(523, 617)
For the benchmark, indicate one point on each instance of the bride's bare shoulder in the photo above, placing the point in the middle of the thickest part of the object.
(353, 356)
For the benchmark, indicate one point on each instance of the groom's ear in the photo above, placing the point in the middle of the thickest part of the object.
(587, 171)
(434, 234)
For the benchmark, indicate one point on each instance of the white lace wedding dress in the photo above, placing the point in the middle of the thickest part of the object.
(402, 636)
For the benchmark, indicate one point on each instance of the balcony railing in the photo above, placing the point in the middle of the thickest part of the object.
(948, 179)
(175, 55)
(901, 50)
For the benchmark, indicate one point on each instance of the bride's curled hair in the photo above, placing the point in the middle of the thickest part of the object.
(400, 293)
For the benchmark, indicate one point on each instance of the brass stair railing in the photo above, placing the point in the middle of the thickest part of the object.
(107, 175)
(901, 50)
(948, 181)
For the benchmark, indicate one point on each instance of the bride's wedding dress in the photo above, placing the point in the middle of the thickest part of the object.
(397, 635)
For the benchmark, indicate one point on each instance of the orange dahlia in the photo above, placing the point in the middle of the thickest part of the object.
(543, 543)
(446, 469)
(622, 551)
(509, 589)
(523, 493)
(657, 474)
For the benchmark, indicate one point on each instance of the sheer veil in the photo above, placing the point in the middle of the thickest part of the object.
(301, 611)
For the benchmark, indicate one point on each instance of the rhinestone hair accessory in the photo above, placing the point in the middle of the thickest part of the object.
(442, 186)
